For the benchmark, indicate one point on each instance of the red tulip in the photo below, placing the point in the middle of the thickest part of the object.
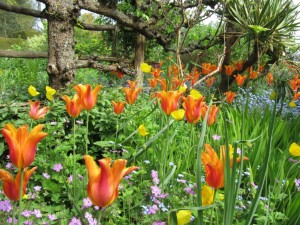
(36, 113)
(103, 182)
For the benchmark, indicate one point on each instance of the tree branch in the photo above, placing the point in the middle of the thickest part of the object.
(22, 10)
(31, 55)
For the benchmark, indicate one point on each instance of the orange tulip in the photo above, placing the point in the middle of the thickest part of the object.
(131, 92)
(294, 84)
(169, 100)
(207, 68)
(296, 96)
(212, 115)
(269, 78)
(11, 186)
(240, 79)
(238, 65)
(163, 83)
(22, 144)
(103, 182)
(210, 81)
(229, 69)
(213, 166)
(87, 96)
(152, 82)
(36, 113)
(193, 108)
(73, 106)
(118, 107)
(156, 72)
(230, 95)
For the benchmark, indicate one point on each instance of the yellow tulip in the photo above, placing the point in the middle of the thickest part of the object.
(195, 94)
(178, 114)
(32, 91)
(142, 130)
(146, 68)
(49, 93)
(294, 149)
(183, 217)
(207, 195)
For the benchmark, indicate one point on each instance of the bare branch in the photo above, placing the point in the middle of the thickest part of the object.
(21, 10)
(30, 55)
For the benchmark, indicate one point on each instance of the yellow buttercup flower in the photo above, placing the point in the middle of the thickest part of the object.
(49, 93)
(32, 91)
(195, 94)
(178, 114)
(207, 195)
(146, 68)
(292, 104)
(294, 149)
(142, 130)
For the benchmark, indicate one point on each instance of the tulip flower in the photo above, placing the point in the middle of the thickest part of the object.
(169, 100)
(131, 92)
(229, 70)
(152, 82)
(195, 94)
(156, 72)
(36, 113)
(146, 68)
(32, 91)
(230, 95)
(118, 107)
(193, 109)
(103, 182)
(207, 194)
(87, 96)
(294, 149)
(178, 114)
(11, 185)
(73, 106)
(183, 217)
(238, 65)
(214, 167)
(22, 144)
(206, 68)
(142, 130)
(240, 79)
(49, 93)
(210, 81)
(269, 78)
(212, 114)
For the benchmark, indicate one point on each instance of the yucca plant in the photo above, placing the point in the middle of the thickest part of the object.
(271, 23)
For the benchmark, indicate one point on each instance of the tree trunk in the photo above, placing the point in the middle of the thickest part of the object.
(61, 50)
(229, 42)
(139, 58)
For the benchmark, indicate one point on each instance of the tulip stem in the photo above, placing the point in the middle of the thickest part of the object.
(87, 133)
(74, 160)
(99, 216)
(20, 195)
(13, 215)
